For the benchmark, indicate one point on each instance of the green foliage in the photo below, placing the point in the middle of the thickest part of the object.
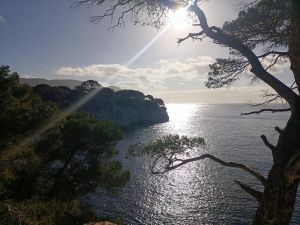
(65, 97)
(125, 107)
(43, 178)
(264, 25)
(225, 72)
(68, 161)
(80, 160)
(130, 94)
(38, 212)
(87, 86)
(21, 111)
(165, 152)
(167, 145)
(62, 96)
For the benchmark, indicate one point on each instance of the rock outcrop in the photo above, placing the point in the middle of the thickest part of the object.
(124, 107)
(127, 110)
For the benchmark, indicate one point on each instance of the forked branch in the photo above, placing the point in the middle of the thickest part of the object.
(267, 143)
(171, 152)
(272, 97)
(256, 194)
(175, 163)
(279, 130)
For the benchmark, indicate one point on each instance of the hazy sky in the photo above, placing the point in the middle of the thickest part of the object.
(48, 39)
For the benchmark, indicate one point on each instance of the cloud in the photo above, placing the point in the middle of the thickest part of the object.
(157, 77)
(2, 20)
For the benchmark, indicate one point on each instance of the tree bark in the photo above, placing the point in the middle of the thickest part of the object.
(294, 49)
(277, 203)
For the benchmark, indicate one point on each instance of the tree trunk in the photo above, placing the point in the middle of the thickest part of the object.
(294, 49)
(278, 200)
(277, 203)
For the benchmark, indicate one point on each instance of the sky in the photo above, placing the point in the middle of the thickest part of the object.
(49, 39)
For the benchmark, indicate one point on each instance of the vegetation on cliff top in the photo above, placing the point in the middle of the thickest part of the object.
(123, 107)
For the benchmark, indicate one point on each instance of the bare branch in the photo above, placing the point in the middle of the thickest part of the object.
(267, 143)
(280, 131)
(274, 96)
(274, 53)
(267, 101)
(273, 63)
(267, 110)
(254, 193)
(181, 162)
(194, 36)
(144, 12)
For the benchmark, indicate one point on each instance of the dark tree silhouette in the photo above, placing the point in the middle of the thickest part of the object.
(159, 101)
(87, 86)
(131, 94)
(149, 97)
(271, 27)
(44, 175)
(62, 96)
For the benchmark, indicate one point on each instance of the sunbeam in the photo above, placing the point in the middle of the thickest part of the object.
(92, 93)
(143, 50)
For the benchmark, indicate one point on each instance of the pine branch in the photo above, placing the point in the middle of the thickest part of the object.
(220, 37)
(254, 193)
(266, 110)
(175, 163)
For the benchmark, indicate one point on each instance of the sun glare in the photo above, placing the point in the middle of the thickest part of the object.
(178, 19)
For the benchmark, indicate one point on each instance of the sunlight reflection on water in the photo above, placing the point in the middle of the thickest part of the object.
(201, 192)
(183, 112)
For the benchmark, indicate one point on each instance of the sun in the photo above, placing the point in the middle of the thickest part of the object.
(178, 19)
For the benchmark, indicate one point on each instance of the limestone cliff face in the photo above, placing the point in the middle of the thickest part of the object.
(138, 113)
(127, 110)
(124, 107)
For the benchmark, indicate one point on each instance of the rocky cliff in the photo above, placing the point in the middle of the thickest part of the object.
(127, 111)
(124, 107)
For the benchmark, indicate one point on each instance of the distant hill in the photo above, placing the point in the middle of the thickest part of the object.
(54, 83)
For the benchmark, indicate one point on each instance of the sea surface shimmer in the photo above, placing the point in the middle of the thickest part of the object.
(201, 192)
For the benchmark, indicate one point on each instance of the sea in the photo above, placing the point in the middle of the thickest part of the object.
(201, 192)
